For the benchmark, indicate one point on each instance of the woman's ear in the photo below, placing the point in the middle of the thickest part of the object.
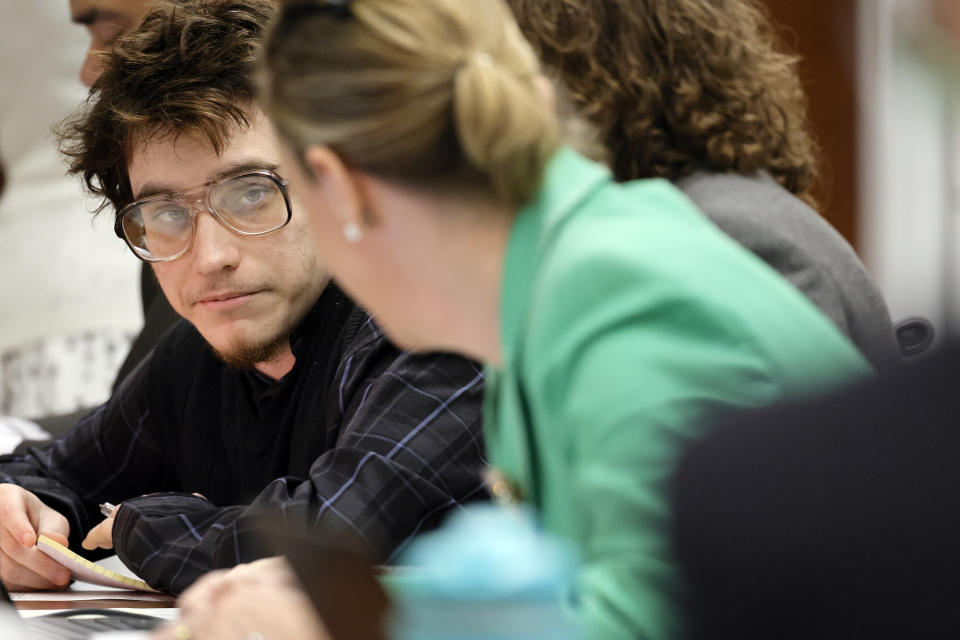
(339, 189)
(547, 91)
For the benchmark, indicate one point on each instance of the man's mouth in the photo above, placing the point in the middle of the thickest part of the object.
(221, 300)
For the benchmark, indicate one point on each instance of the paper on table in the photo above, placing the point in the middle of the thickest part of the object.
(83, 591)
(80, 591)
(82, 569)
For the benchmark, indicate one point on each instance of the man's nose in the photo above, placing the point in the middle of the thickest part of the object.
(214, 248)
(91, 69)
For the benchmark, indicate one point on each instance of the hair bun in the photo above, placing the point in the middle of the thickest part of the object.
(479, 59)
(428, 91)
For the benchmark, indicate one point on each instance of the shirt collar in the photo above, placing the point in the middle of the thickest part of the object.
(332, 303)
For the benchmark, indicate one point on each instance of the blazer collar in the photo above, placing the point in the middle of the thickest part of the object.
(568, 180)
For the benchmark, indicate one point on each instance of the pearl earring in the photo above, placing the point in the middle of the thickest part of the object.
(352, 232)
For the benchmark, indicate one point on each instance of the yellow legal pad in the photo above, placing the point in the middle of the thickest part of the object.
(82, 569)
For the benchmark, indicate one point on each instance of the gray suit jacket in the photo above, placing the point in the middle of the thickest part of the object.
(798, 243)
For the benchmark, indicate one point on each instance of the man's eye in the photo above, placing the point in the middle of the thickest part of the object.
(169, 216)
(244, 196)
(252, 196)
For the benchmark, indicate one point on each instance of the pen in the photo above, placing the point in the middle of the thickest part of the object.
(107, 509)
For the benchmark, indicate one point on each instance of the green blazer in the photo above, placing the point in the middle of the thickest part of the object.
(626, 319)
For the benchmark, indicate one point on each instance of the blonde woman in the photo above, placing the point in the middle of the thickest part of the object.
(612, 318)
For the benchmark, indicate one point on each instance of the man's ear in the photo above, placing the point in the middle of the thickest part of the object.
(335, 183)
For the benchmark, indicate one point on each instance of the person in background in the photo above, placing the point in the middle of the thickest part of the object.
(834, 518)
(49, 403)
(105, 21)
(280, 400)
(70, 309)
(701, 93)
(612, 318)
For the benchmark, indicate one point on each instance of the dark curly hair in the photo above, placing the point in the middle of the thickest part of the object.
(187, 69)
(677, 86)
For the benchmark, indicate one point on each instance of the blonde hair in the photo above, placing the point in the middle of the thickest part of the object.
(440, 93)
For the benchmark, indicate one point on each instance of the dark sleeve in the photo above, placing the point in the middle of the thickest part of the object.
(158, 317)
(56, 426)
(409, 448)
(110, 455)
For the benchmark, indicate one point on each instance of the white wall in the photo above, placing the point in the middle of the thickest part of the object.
(909, 160)
(61, 274)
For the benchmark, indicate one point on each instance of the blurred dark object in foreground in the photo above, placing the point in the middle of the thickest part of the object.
(833, 519)
(341, 583)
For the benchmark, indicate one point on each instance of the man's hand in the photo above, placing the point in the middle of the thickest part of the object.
(261, 599)
(22, 518)
(101, 536)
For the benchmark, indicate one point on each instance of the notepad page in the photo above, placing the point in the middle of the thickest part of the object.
(82, 569)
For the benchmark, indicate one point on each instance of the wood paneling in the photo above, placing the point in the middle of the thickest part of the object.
(824, 34)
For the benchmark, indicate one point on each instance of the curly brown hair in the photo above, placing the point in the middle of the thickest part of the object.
(187, 69)
(677, 86)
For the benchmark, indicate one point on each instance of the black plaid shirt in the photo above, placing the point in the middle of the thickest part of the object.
(359, 440)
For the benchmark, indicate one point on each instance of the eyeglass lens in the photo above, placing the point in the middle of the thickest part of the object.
(249, 204)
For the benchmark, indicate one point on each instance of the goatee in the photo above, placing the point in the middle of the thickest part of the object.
(246, 355)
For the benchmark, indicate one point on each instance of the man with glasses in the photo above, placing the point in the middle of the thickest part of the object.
(280, 401)
(160, 228)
